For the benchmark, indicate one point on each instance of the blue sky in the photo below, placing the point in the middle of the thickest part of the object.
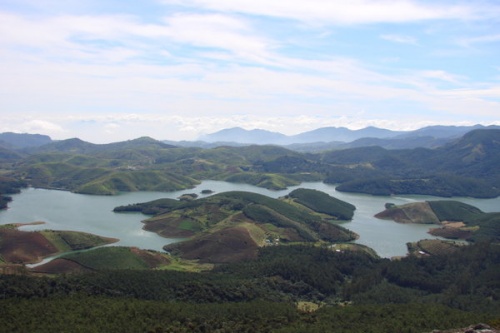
(111, 70)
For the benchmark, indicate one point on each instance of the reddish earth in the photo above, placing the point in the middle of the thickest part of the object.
(451, 233)
(394, 214)
(152, 259)
(224, 246)
(417, 212)
(24, 247)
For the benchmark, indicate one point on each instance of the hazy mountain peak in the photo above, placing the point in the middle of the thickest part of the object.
(240, 135)
(23, 140)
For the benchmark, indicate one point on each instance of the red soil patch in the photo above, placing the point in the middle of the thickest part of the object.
(451, 233)
(417, 212)
(394, 214)
(224, 246)
(24, 247)
(152, 259)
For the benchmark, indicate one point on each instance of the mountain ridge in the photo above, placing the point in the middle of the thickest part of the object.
(342, 135)
(323, 138)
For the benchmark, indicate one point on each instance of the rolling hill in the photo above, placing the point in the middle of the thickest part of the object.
(231, 226)
(465, 167)
(456, 220)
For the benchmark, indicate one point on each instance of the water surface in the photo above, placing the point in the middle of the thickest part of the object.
(62, 210)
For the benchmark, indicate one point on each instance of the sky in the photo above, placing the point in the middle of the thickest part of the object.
(113, 70)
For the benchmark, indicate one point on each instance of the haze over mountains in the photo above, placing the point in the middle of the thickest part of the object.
(325, 138)
(334, 134)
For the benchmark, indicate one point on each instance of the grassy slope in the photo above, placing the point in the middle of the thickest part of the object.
(447, 210)
(478, 225)
(73, 240)
(254, 219)
(30, 247)
(110, 258)
(129, 181)
(323, 203)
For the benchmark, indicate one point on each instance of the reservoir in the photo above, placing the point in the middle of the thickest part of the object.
(61, 210)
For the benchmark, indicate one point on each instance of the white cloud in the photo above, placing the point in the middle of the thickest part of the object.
(214, 64)
(339, 12)
(443, 76)
(217, 31)
(469, 41)
(115, 38)
(20, 124)
(400, 39)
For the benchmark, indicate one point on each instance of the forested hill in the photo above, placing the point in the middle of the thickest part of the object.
(79, 146)
(456, 220)
(465, 167)
(285, 289)
(468, 166)
(231, 226)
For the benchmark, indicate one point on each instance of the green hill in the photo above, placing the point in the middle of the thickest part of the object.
(323, 203)
(456, 219)
(449, 210)
(115, 257)
(466, 167)
(226, 225)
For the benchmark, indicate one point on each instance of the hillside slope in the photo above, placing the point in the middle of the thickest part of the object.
(231, 226)
(466, 167)
(456, 220)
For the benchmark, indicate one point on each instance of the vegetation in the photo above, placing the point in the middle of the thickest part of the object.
(9, 186)
(410, 295)
(230, 276)
(21, 247)
(466, 167)
(105, 258)
(448, 210)
(74, 241)
(323, 203)
(150, 208)
(269, 181)
(474, 225)
(232, 225)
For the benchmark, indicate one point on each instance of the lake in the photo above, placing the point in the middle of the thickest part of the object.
(61, 210)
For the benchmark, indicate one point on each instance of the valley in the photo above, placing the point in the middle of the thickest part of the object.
(233, 225)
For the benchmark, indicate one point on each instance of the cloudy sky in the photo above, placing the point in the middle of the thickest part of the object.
(111, 70)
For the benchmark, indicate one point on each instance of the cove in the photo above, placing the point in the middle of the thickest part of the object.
(61, 210)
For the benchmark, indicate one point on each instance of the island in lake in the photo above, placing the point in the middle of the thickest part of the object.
(453, 219)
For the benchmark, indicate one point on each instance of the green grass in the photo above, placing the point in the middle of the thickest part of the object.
(323, 203)
(448, 210)
(108, 258)
(66, 241)
(489, 227)
(190, 225)
(269, 181)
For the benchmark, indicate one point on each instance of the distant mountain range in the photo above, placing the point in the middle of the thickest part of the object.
(328, 138)
(325, 134)
(11, 140)
(321, 139)
(334, 134)
(467, 165)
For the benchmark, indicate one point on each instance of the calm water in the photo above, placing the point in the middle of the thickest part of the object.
(62, 210)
